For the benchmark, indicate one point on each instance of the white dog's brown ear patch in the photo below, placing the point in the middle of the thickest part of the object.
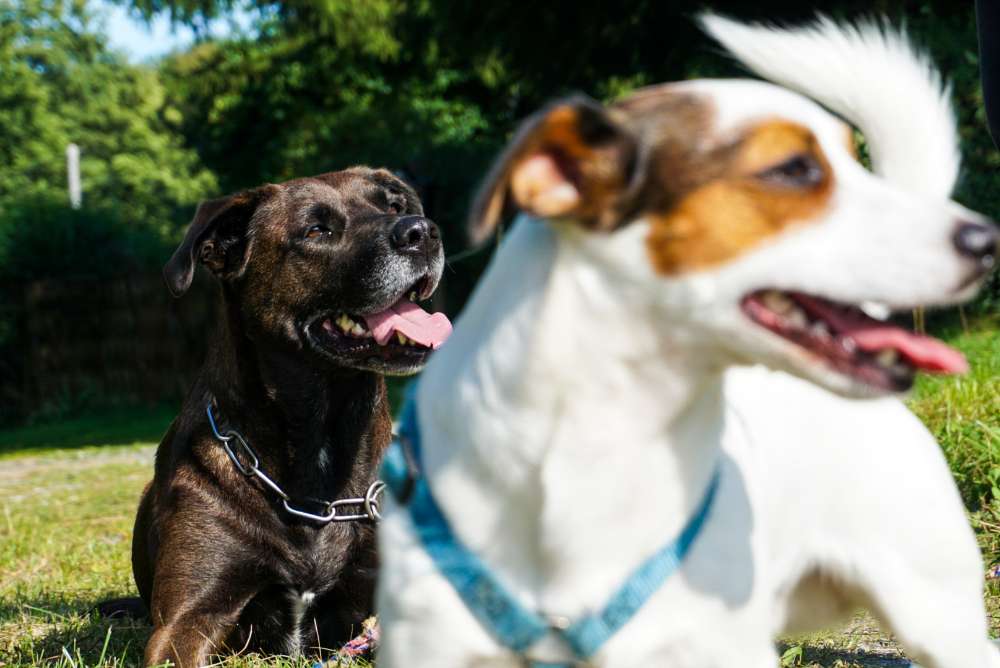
(572, 160)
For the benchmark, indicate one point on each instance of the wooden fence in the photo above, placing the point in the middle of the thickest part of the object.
(90, 342)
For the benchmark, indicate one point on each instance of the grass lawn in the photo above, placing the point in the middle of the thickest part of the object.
(68, 492)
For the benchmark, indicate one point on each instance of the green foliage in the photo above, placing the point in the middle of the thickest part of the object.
(60, 84)
(42, 239)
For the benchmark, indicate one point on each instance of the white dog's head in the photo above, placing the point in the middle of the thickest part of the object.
(742, 211)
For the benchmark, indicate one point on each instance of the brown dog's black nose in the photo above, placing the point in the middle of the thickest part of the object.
(413, 234)
(978, 241)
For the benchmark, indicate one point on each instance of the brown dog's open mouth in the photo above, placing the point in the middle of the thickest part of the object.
(404, 333)
(849, 341)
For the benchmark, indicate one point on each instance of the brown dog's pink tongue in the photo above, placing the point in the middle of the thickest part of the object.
(405, 317)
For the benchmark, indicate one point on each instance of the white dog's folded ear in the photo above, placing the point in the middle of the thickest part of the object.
(571, 160)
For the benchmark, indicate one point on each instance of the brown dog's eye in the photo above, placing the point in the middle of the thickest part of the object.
(799, 171)
(317, 231)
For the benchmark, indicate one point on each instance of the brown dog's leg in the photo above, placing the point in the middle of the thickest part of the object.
(144, 547)
(187, 642)
(197, 598)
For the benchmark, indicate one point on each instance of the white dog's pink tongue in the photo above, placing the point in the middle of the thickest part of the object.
(405, 317)
(924, 352)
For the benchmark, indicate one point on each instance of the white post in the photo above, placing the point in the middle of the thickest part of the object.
(73, 175)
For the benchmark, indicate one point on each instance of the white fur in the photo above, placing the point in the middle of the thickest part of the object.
(871, 75)
(571, 423)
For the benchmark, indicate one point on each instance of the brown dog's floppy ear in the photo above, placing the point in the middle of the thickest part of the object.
(216, 236)
(572, 159)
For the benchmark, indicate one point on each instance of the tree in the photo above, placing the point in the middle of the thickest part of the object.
(59, 83)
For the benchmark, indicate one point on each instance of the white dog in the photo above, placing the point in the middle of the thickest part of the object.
(585, 486)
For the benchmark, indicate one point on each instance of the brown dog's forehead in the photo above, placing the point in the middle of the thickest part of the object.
(360, 181)
(342, 189)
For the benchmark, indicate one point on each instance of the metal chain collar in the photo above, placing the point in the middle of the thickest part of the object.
(366, 508)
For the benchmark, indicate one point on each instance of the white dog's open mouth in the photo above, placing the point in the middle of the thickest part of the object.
(849, 341)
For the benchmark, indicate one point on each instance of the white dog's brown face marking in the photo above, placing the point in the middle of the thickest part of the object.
(773, 176)
(708, 199)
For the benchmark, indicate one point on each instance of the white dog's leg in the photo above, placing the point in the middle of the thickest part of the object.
(940, 624)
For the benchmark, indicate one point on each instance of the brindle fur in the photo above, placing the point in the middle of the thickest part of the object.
(218, 562)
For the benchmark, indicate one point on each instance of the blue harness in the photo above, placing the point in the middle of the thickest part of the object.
(500, 613)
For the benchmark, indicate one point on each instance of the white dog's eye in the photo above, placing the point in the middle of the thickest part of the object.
(799, 171)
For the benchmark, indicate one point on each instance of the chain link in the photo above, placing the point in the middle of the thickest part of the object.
(366, 507)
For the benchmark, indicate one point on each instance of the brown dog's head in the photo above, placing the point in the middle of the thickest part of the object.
(327, 264)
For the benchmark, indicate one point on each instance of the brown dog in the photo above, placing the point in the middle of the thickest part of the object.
(315, 275)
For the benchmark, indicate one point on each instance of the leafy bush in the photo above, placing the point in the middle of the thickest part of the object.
(41, 238)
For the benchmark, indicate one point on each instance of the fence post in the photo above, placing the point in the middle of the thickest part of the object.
(73, 175)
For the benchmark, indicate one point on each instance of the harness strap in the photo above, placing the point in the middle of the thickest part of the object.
(500, 613)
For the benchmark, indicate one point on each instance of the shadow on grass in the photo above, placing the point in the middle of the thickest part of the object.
(56, 633)
(853, 658)
(119, 426)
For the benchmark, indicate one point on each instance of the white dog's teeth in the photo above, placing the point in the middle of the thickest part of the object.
(357, 330)
(413, 296)
(328, 326)
(820, 329)
(797, 317)
(848, 344)
(876, 310)
(777, 302)
(401, 337)
(887, 357)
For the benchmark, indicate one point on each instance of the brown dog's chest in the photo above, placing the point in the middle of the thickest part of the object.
(311, 582)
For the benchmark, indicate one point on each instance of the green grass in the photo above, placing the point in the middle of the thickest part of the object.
(68, 492)
(964, 414)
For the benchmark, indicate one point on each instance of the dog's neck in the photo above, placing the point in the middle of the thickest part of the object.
(547, 333)
(319, 430)
(558, 404)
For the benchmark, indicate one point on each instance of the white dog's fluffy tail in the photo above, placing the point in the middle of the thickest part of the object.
(873, 77)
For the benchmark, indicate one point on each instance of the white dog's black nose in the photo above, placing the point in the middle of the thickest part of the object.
(979, 242)
(414, 234)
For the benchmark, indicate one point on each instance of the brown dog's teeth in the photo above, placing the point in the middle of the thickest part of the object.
(328, 326)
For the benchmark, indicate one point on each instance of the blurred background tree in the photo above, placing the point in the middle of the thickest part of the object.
(59, 84)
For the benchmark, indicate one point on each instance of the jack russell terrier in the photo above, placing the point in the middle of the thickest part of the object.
(579, 481)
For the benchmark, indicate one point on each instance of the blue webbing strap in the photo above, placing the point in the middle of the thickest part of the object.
(586, 635)
(500, 613)
(492, 604)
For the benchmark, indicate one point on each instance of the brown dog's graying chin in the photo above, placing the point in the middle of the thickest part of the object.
(219, 562)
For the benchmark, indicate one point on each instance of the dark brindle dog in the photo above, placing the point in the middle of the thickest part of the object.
(317, 276)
